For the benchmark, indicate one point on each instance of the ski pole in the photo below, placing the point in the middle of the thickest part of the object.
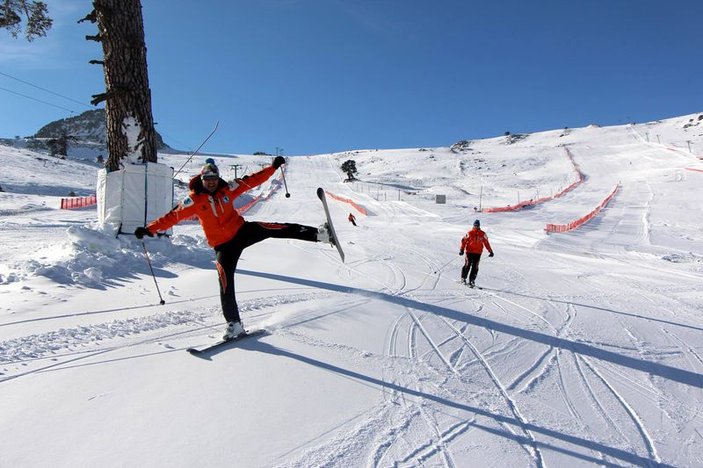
(445, 265)
(217, 124)
(284, 182)
(146, 254)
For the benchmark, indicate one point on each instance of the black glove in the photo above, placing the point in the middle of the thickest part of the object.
(461, 252)
(141, 232)
(278, 161)
(490, 254)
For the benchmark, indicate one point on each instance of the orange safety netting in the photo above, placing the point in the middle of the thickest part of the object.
(584, 219)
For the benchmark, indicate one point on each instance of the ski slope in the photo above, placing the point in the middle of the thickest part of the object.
(582, 348)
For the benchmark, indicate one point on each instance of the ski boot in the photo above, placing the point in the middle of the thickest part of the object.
(233, 330)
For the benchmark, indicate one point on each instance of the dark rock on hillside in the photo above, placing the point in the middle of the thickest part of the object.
(90, 126)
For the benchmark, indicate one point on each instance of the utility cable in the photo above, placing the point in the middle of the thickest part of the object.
(43, 89)
(38, 100)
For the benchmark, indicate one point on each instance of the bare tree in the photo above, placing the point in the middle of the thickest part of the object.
(127, 96)
(36, 18)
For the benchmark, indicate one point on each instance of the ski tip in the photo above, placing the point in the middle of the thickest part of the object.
(320, 192)
(194, 351)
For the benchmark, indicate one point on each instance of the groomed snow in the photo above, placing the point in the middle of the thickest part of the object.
(582, 348)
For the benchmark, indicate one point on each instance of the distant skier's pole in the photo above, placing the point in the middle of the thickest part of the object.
(146, 254)
(445, 265)
(197, 149)
(284, 182)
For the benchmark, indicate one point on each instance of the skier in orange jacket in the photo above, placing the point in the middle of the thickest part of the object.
(211, 199)
(472, 243)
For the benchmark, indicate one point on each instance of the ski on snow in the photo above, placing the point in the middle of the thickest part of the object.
(468, 285)
(222, 344)
(323, 199)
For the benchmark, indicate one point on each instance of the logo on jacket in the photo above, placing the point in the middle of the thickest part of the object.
(187, 201)
(225, 199)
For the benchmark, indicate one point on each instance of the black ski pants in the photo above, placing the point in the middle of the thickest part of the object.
(470, 264)
(250, 233)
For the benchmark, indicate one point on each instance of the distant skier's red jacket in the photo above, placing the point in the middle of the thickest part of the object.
(474, 240)
(216, 212)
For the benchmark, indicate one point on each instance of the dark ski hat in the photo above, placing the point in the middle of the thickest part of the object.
(209, 171)
(477, 223)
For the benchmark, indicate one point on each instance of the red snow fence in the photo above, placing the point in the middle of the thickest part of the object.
(518, 206)
(584, 219)
(262, 197)
(694, 169)
(246, 207)
(78, 202)
(349, 201)
(529, 203)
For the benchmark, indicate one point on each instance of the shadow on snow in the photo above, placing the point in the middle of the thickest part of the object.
(668, 372)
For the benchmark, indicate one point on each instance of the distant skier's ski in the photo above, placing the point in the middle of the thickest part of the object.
(333, 234)
(221, 344)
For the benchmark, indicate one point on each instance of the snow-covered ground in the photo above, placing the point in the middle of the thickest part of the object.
(582, 348)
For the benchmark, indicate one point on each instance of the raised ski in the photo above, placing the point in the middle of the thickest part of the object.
(330, 226)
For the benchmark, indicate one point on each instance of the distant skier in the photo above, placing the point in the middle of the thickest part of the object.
(472, 243)
(211, 199)
(352, 219)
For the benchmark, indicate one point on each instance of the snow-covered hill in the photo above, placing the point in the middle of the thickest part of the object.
(86, 132)
(582, 348)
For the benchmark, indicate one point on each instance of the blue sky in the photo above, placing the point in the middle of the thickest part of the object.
(317, 76)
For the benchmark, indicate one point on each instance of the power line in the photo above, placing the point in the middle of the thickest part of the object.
(45, 90)
(38, 100)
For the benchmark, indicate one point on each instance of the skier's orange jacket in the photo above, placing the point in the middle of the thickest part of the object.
(474, 240)
(216, 212)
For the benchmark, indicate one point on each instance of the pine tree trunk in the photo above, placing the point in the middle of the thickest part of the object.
(121, 31)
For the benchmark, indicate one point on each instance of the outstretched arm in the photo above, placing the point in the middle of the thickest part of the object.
(184, 210)
(252, 181)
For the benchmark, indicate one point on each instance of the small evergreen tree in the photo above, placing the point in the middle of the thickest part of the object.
(36, 145)
(349, 166)
(58, 147)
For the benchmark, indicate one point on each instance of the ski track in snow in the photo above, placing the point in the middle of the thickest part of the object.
(691, 352)
(639, 425)
(435, 446)
(372, 430)
(421, 451)
(533, 449)
(416, 325)
(94, 339)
